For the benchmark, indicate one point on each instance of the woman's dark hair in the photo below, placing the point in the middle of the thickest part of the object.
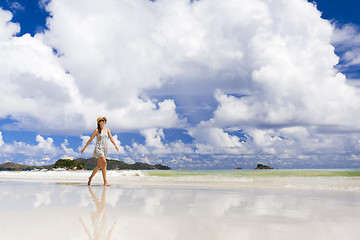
(99, 128)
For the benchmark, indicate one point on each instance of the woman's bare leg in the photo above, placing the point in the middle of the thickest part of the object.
(103, 170)
(96, 169)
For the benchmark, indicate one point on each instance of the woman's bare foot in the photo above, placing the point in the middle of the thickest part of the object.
(106, 184)
(89, 182)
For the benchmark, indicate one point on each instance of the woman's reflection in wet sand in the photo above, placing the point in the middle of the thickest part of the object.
(98, 218)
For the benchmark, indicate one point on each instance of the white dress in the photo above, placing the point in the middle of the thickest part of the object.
(101, 147)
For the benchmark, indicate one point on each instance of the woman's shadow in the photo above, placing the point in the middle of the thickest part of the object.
(98, 218)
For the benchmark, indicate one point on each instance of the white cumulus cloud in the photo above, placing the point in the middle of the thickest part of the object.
(44, 151)
(269, 68)
(42, 95)
(155, 144)
(1, 139)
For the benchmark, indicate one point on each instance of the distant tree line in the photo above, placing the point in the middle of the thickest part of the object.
(86, 164)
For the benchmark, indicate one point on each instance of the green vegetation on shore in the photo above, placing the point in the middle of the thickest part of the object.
(83, 164)
(262, 166)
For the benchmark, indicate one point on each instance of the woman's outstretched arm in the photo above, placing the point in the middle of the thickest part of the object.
(90, 140)
(112, 139)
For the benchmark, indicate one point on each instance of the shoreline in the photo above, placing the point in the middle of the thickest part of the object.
(327, 180)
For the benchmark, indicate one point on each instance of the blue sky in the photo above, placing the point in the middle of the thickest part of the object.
(182, 84)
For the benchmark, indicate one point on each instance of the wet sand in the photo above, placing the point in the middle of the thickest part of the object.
(72, 210)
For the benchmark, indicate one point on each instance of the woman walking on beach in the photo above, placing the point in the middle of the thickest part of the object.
(100, 152)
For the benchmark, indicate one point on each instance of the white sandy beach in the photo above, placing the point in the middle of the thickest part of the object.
(60, 206)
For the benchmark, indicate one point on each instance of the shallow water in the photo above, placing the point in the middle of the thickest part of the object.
(260, 173)
(58, 205)
(338, 179)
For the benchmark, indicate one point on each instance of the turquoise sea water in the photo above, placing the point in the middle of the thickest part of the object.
(318, 179)
(258, 173)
